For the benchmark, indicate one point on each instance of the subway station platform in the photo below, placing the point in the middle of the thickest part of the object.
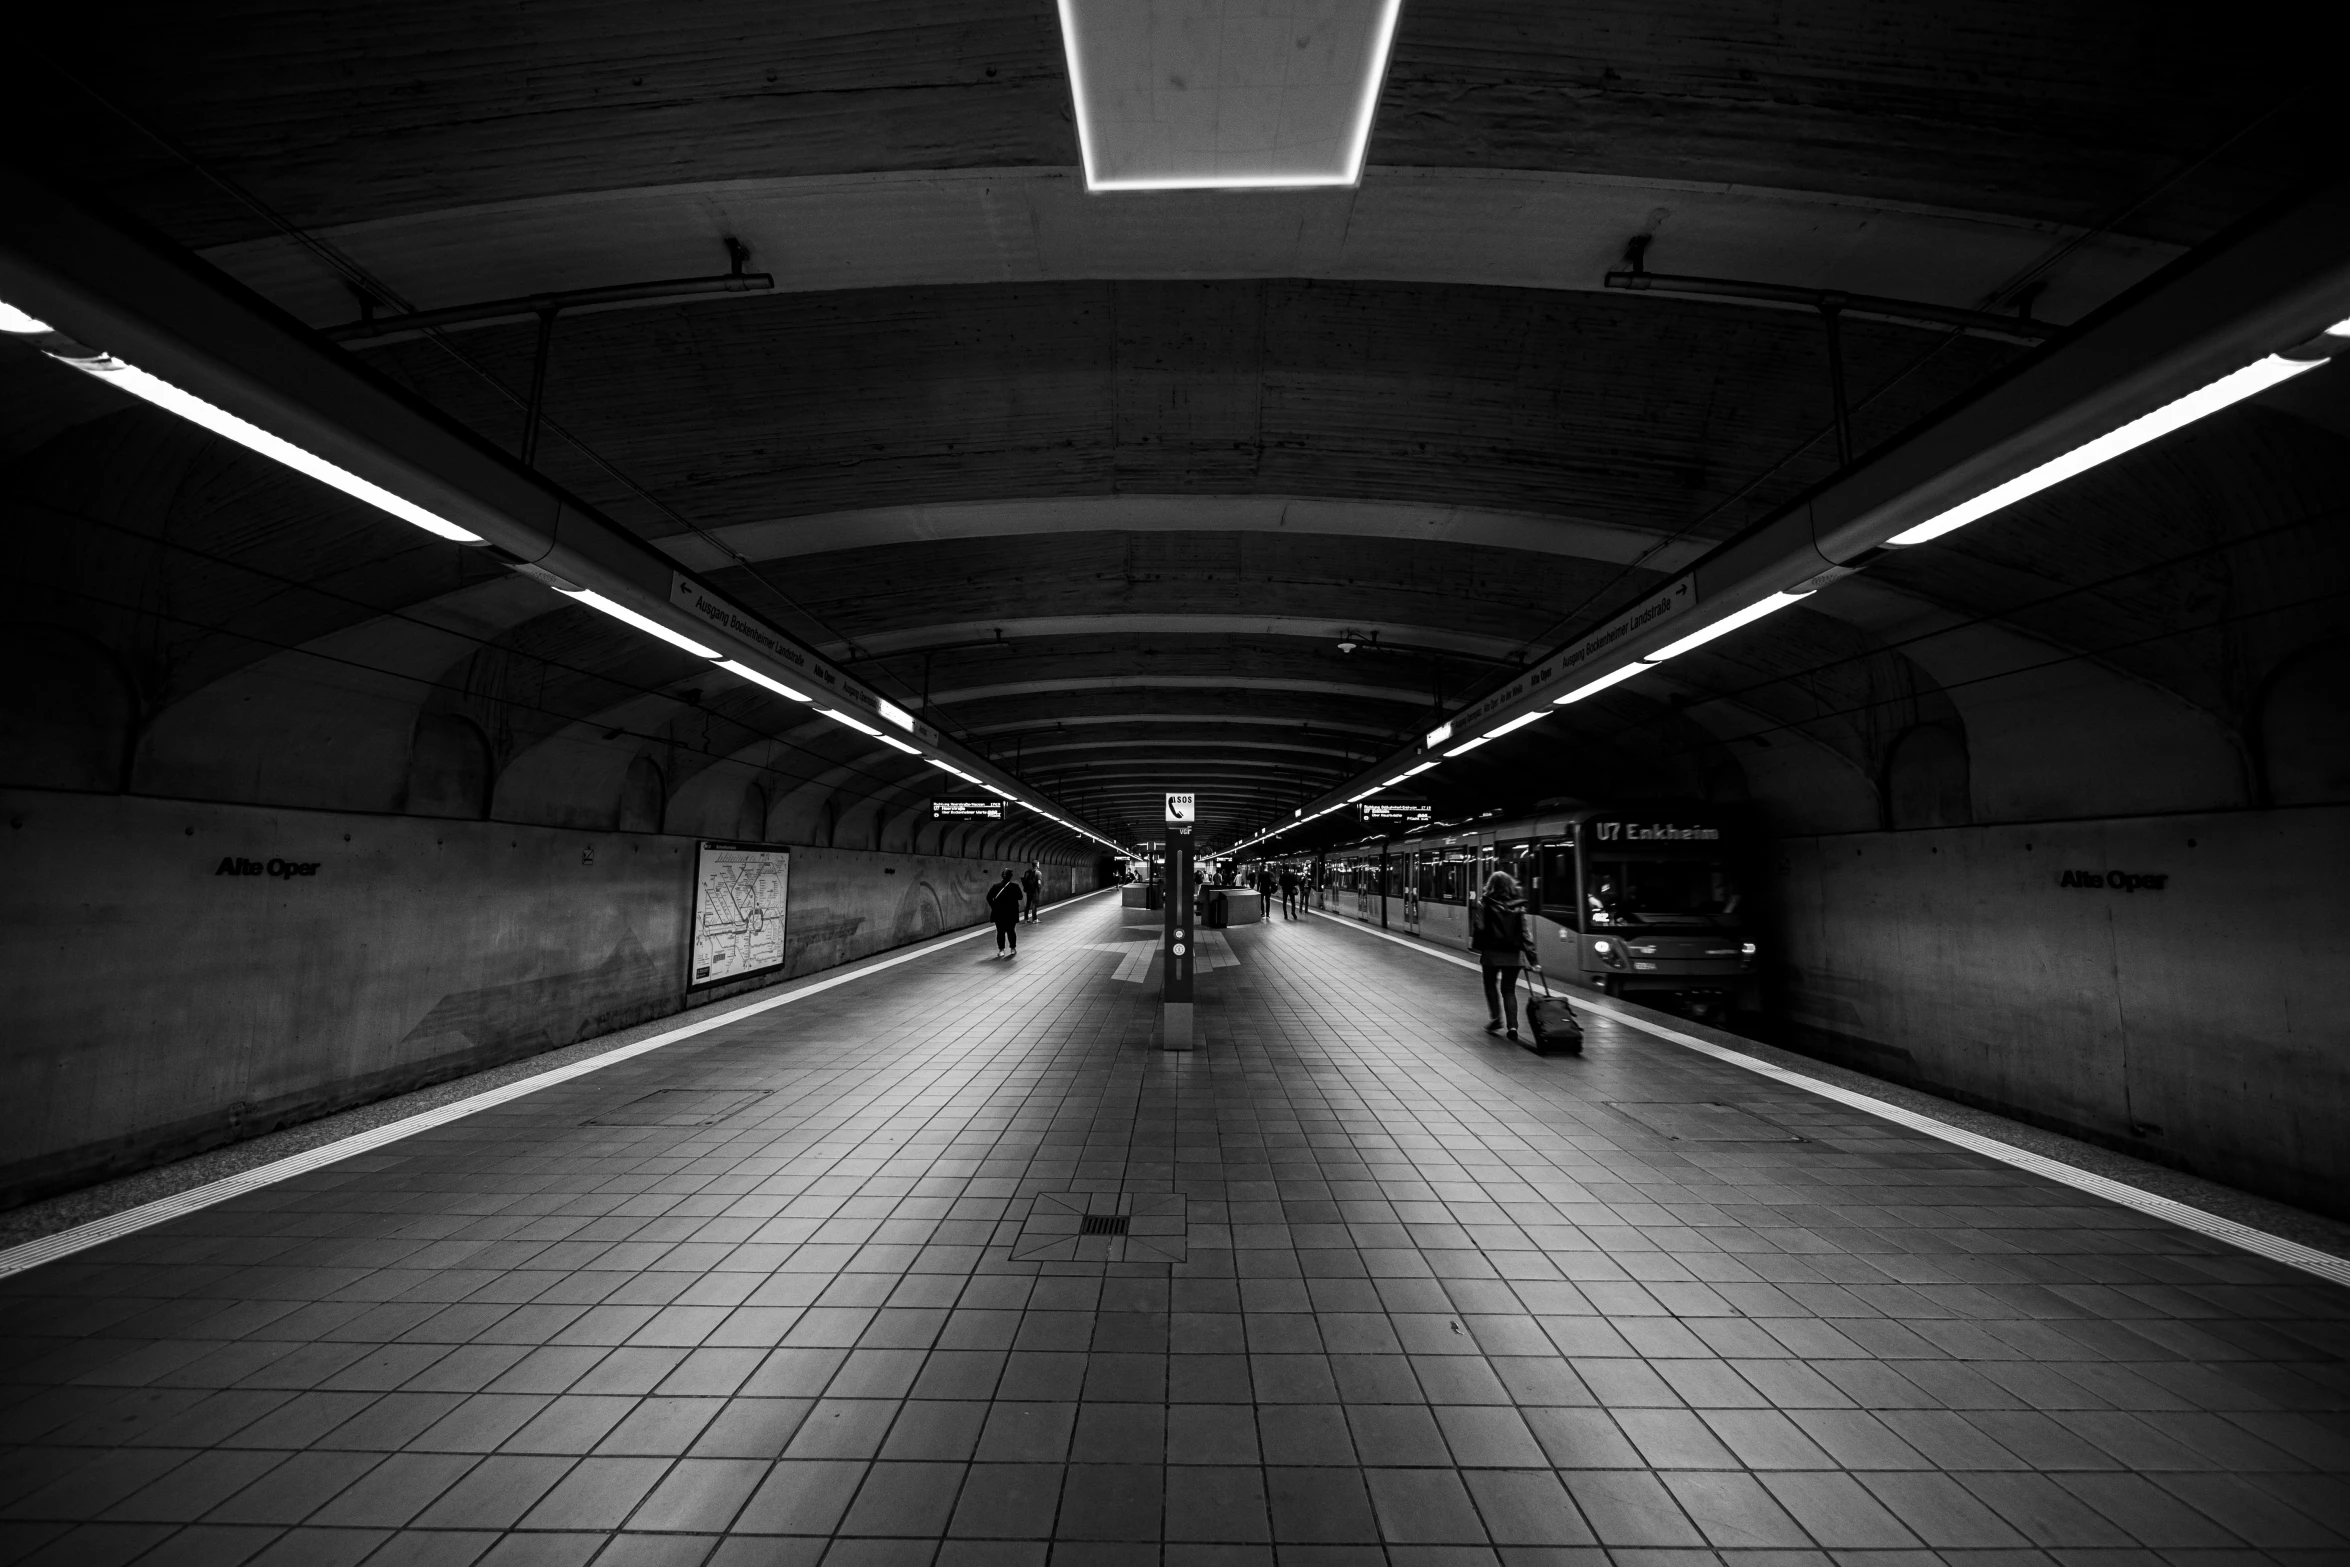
(945, 1264)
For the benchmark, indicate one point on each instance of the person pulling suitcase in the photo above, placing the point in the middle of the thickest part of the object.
(1503, 946)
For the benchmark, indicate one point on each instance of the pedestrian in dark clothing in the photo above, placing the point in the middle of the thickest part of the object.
(1004, 901)
(1289, 894)
(1503, 947)
(1032, 884)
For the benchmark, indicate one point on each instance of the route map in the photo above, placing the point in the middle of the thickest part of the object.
(738, 911)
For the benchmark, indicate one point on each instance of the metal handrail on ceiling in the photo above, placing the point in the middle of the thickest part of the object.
(371, 327)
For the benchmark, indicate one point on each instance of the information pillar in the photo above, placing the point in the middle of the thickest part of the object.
(1180, 946)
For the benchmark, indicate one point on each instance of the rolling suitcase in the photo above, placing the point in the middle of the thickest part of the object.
(1550, 1023)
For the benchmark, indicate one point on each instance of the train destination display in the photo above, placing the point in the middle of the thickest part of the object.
(1395, 813)
(739, 895)
(985, 808)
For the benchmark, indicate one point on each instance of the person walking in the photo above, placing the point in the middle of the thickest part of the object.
(1004, 902)
(1032, 885)
(1503, 947)
(1289, 892)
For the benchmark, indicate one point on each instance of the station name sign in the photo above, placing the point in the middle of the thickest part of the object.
(2117, 881)
(1394, 812)
(283, 870)
(986, 808)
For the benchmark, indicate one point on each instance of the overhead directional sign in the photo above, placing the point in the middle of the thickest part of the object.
(1182, 809)
(985, 808)
(1395, 812)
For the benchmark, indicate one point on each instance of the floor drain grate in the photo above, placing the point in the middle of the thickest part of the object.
(1116, 1226)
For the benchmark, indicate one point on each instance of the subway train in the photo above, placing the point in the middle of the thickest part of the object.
(1631, 900)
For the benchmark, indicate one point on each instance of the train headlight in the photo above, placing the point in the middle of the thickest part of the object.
(1746, 949)
(1608, 954)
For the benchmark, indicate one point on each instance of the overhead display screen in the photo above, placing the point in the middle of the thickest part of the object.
(986, 808)
(739, 895)
(1400, 813)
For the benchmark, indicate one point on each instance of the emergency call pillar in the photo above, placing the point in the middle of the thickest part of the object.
(1180, 945)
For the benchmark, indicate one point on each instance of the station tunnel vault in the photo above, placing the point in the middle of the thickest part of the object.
(1118, 493)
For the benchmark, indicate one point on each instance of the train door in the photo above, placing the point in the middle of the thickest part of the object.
(1551, 908)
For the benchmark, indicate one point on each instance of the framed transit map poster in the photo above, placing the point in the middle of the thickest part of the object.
(739, 893)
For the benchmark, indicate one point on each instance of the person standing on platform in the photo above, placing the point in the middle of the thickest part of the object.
(1004, 901)
(1032, 885)
(1503, 947)
(1289, 892)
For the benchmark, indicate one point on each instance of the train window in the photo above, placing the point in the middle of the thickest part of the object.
(1690, 892)
(1518, 863)
(1455, 869)
(1557, 885)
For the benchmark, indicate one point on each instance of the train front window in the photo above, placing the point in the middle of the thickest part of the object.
(1621, 893)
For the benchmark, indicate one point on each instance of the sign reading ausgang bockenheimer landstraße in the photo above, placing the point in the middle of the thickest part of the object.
(986, 808)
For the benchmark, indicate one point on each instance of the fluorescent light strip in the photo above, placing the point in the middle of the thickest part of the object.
(839, 717)
(758, 679)
(2224, 392)
(895, 744)
(1519, 722)
(1417, 771)
(1466, 746)
(1601, 684)
(187, 405)
(1723, 627)
(629, 617)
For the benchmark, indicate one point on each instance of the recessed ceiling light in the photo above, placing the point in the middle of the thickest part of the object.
(1225, 94)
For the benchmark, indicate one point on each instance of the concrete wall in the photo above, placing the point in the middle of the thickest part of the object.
(155, 1007)
(2205, 1023)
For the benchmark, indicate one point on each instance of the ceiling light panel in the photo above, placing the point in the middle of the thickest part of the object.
(1225, 94)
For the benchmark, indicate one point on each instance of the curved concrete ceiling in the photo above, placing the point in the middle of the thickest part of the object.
(1509, 228)
(819, 533)
(1222, 720)
(1188, 432)
(1376, 636)
(1177, 683)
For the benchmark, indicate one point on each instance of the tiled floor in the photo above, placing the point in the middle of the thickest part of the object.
(1442, 1304)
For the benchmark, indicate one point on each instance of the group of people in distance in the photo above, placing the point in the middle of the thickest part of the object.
(1018, 894)
(1288, 884)
(1503, 941)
